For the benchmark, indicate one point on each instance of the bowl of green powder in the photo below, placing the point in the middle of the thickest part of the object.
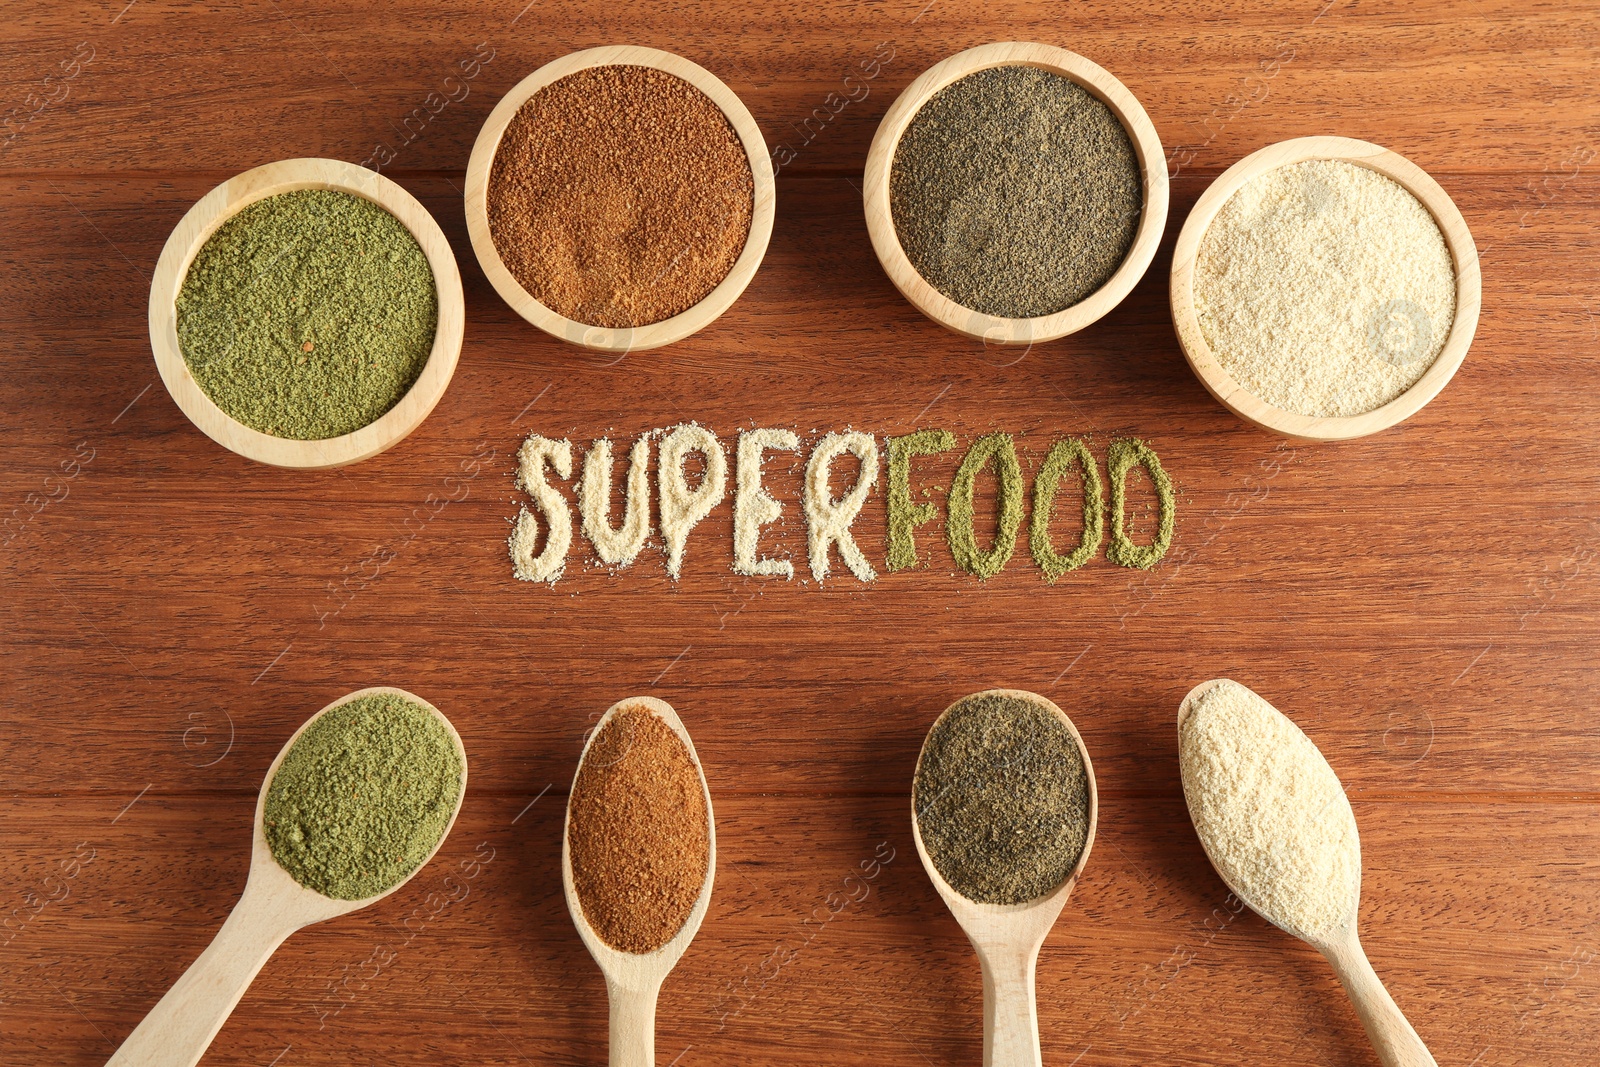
(1325, 288)
(1015, 193)
(307, 313)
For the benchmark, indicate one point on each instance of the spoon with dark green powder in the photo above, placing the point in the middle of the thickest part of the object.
(358, 800)
(1003, 810)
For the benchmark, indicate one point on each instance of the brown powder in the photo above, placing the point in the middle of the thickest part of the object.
(620, 196)
(638, 831)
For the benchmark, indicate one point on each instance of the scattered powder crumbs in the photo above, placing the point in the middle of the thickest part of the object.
(681, 507)
(532, 458)
(1324, 288)
(1008, 503)
(1125, 454)
(753, 506)
(828, 520)
(1057, 462)
(904, 515)
(617, 546)
(1270, 811)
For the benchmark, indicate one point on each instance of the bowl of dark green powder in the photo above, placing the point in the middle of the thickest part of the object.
(307, 313)
(363, 794)
(1015, 193)
(1004, 802)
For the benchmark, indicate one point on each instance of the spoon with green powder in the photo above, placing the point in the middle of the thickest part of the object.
(357, 801)
(1003, 810)
(1275, 823)
(638, 855)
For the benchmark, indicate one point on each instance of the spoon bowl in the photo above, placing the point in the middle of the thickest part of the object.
(1392, 1036)
(179, 1029)
(634, 979)
(1007, 937)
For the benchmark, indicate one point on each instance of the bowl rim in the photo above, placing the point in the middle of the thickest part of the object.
(686, 322)
(996, 329)
(1251, 408)
(203, 220)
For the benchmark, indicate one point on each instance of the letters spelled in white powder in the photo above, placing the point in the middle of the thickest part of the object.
(828, 520)
(1324, 288)
(681, 507)
(619, 546)
(753, 506)
(532, 457)
(1270, 811)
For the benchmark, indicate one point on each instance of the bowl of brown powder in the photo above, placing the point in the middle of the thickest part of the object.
(620, 198)
(1325, 288)
(1015, 193)
(307, 313)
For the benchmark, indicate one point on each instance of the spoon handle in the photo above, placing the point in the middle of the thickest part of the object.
(1010, 1015)
(1397, 1044)
(633, 1024)
(180, 1027)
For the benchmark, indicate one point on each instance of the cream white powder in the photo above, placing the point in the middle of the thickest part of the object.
(1324, 288)
(532, 457)
(681, 507)
(753, 506)
(1270, 811)
(828, 520)
(618, 546)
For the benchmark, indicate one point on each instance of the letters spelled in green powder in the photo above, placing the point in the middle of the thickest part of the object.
(1008, 503)
(1015, 192)
(308, 314)
(905, 515)
(1002, 799)
(1127, 453)
(1059, 460)
(363, 797)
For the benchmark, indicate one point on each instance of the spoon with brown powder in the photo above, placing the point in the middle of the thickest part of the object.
(355, 804)
(1003, 811)
(638, 856)
(1275, 823)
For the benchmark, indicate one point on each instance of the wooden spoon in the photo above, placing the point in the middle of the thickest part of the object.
(180, 1027)
(1007, 937)
(633, 980)
(1397, 1044)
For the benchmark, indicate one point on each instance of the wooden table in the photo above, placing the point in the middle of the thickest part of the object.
(1423, 602)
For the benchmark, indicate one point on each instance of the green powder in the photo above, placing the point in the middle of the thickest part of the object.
(308, 314)
(363, 797)
(1002, 799)
(904, 515)
(1127, 453)
(1015, 192)
(1008, 503)
(1059, 460)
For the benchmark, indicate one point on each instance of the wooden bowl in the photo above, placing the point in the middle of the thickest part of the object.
(203, 220)
(656, 334)
(1249, 407)
(994, 329)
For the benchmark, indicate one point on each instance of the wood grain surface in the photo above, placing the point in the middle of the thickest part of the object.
(1423, 602)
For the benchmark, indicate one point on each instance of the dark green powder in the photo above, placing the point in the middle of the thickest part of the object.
(1015, 192)
(308, 314)
(1002, 799)
(363, 796)
(904, 514)
(1059, 460)
(959, 530)
(1127, 453)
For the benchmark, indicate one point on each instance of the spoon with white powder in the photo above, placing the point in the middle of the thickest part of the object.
(1275, 823)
